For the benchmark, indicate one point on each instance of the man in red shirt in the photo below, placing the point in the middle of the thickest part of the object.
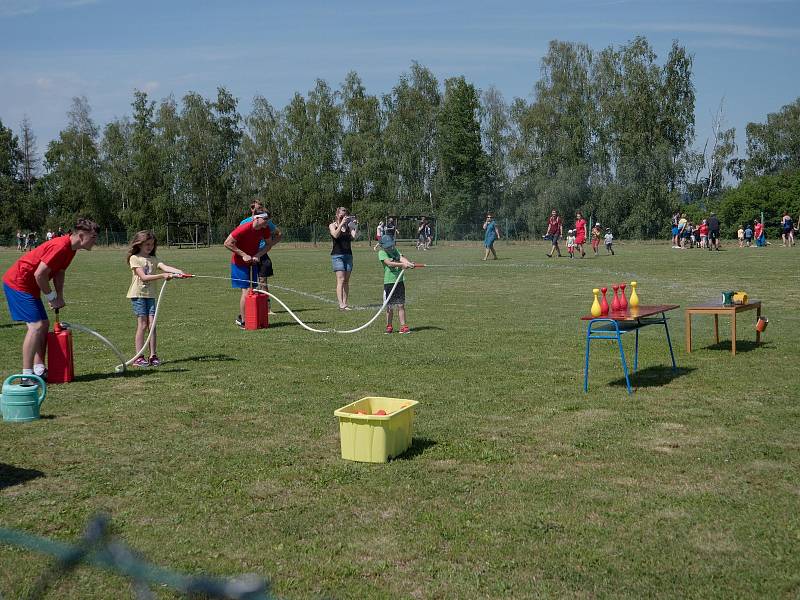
(555, 230)
(30, 276)
(243, 242)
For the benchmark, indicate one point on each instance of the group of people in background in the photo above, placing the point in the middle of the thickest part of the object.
(706, 234)
(30, 240)
(686, 234)
(577, 236)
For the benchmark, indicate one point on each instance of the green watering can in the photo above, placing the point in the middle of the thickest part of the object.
(20, 403)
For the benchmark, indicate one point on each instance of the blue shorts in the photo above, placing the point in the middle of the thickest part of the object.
(23, 306)
(144, 307)
(239, 276)
(342, 262)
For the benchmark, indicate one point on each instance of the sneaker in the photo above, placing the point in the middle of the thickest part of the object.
(141, 362)
(155, 361)
(239, 321)
(389, 329)
(43, 375)
(27, 382)
(405, 329)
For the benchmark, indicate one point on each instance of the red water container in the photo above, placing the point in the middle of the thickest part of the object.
(60, 368)
(256, 311)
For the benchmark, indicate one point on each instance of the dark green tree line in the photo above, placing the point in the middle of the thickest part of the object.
(610, 132)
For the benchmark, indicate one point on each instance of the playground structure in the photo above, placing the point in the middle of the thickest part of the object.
(188, 234)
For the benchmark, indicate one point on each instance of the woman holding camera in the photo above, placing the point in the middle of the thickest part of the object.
(491, 234)
(343, 231)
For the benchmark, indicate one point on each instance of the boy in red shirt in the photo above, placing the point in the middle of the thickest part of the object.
(243, 242)
(30, 276)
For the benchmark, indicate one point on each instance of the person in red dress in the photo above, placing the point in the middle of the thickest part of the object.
(30, 276)
(581, 232)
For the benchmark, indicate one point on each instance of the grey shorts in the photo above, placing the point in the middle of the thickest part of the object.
(399, 296)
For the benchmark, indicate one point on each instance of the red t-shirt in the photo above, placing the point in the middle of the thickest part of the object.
(247, 239)
(553, 225)
(56, 254)
(703, 229)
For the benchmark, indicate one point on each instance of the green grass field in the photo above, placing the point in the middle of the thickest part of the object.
(225, 459)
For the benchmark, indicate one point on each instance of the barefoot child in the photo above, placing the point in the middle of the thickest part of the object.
(393, 264)
(143, 262)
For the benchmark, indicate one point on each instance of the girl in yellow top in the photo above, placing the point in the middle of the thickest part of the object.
(143, 262)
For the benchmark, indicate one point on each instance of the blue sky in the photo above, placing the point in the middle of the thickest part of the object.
(745, 51)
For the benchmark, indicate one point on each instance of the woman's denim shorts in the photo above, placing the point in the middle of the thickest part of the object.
(342, 262)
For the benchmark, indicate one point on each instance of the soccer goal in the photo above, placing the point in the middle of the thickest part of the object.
(188, 234)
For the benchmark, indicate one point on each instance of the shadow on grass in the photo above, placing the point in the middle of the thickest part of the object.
(7, 325)
(426, 327)
(11, 475)
(205, 358)
(418, 446)
(741, 346)
(127, 374)
(293, 323)
(653, 376)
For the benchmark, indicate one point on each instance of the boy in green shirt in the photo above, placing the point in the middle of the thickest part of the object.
(393, 264)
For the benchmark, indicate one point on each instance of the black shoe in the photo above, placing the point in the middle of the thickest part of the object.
(239, 321)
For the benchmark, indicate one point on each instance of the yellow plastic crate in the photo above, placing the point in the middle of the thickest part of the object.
(375, 438)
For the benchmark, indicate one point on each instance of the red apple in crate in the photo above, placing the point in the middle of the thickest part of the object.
(380, 412)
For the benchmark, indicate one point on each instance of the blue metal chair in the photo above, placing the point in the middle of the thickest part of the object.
(610, 329)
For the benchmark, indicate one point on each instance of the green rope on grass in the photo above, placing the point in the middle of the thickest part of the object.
(98, 549)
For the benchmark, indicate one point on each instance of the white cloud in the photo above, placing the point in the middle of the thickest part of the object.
(150, 86)
(705, 29)
(13, 8)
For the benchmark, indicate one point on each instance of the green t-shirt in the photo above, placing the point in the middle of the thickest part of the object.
(390, 274)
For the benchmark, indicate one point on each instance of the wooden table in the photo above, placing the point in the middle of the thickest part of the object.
(619, 322)
(717, 309)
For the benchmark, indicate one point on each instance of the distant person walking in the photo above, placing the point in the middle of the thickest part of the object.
(581, 232)
(343, 231)
(555, 231)
(761, 238)
(490, 236)
(713, 232)
(787, 229)
(597, 233)
(20, 240)
(390, 229)
(675, 231)
(378, 235)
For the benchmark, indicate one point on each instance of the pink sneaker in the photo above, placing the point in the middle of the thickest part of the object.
(141, 362)
(155, 361)
(389, 329)
(405, 329)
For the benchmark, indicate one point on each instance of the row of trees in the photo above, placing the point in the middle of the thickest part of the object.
(609, 131)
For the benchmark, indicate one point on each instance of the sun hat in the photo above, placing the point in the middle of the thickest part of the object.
(387, 242)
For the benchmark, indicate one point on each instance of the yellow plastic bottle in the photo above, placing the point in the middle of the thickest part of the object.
(634, 301)
(596, 304)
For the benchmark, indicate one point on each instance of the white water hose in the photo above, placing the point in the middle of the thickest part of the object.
(312, 329)
(120, 368)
